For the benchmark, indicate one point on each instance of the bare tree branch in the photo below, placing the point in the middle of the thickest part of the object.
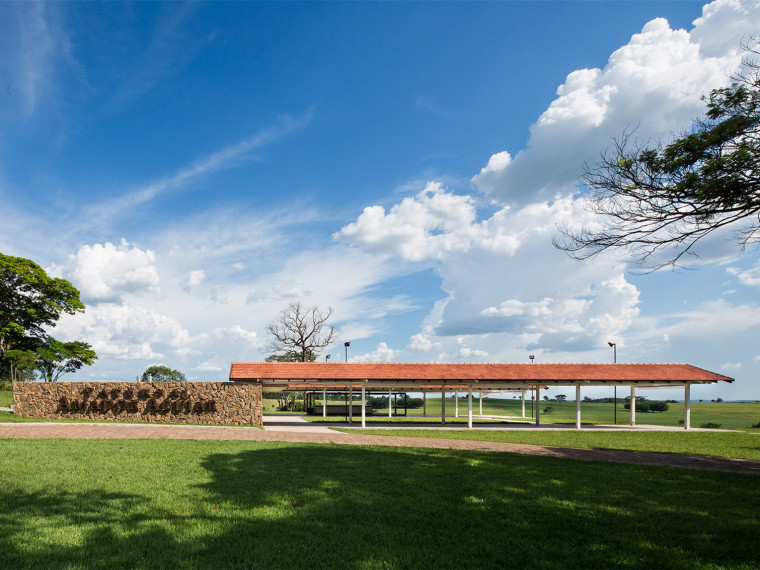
(658, 203)
(300, 333)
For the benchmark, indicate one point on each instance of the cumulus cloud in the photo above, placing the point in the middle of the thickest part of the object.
(381, 354)
(430, 225)
(107, 272)
(422, 343)
(529, 290)
(127, 332)
(653, 83)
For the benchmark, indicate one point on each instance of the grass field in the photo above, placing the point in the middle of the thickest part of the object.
(179, 504)
(736, 445)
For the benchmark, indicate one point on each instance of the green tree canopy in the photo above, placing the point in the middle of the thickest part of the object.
(31, 302)
(55, 358)
(160, 373)
(657, 203)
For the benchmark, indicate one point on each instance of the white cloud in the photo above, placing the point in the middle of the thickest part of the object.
(194, 279)
(654, 83)
(422, 343)
(430, 225)
(127, 332)
(749, 277)
(381, 354)
(107, 272)
(731, 366)
(530, 291)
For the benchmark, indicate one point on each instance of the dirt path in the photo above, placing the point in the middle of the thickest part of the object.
(141, 431)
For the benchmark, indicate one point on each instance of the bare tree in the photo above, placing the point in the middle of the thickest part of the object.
(299, 333)
(658, 203)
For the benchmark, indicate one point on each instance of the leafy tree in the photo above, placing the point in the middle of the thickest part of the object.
(663, 200)
(300, 333)
(55, 358)
(548, 409)
(560, 397)
(160, 373)
(30, 300)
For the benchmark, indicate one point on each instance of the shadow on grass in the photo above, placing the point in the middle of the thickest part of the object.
(284, 506)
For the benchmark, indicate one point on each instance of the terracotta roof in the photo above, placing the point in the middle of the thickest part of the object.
(326, 371)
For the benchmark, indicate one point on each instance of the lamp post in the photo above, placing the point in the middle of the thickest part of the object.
(613, 346)
(532, 392)
(347, 344)
(327, 357)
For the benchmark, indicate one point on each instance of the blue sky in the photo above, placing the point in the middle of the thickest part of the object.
(193, 168)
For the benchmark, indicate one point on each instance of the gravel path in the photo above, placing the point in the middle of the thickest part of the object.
(141, 431)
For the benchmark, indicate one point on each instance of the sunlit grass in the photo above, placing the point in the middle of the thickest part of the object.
(161, 503)
(737, 445)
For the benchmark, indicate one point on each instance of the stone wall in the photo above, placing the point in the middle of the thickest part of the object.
(224, 403)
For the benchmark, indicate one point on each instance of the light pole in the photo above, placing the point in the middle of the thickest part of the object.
(532, 392)
(613, 346)
(347, 344)
(327, 357)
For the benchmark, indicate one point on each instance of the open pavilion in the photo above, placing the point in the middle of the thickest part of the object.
(455, 377)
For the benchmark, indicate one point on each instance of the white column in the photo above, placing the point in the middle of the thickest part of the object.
(351, 404)
(456, 404)
(424, 403)
(443, 404)
(687, 406)
(324, 402)
(577, 406)
(480, 401)
(522, 394)
(469, 406)
(390, 396)
(538, 399)
(633, 405)
(364, 412)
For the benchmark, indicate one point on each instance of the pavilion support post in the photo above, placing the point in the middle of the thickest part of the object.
(424, 403)
(456, 404)
(522, 397)
(686, 406)
(538, 399)
(364, 409)
(480, 401)
(443, 404)
(351, 404)
(633, 405)
(469, 407)
(324, 402)
(390, 395)
(577, 406)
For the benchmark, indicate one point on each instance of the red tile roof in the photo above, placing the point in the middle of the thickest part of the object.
(449, 372)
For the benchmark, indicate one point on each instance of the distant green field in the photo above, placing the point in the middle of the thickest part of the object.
(730, 415)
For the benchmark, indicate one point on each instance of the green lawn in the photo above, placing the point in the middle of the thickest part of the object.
(738, 445)
(208, 504)
(6, 398)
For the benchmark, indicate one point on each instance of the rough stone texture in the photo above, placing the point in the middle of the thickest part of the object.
(222, 403)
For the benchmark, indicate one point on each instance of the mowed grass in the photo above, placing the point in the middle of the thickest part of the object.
(736, 445)
(6, 398)
(209, 504)
(730, 415)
